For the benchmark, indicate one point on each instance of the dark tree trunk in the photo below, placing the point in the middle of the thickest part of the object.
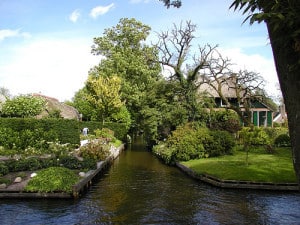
(286, 56)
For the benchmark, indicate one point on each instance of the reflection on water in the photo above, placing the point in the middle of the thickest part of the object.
(139, 189)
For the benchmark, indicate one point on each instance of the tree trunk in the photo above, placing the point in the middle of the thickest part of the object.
(286, 57)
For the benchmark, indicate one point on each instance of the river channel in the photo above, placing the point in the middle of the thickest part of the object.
(139, 189)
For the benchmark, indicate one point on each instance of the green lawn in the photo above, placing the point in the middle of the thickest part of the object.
(262, 167)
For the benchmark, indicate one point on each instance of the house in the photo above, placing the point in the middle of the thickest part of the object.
(52, 104)
(261, 113)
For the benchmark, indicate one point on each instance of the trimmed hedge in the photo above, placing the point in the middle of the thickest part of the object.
(20, 133)
(66, 131)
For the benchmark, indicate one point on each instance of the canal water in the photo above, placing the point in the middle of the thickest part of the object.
(139, 189)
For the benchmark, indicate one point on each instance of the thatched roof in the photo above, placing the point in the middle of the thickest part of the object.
(227, 89)
(52, 104)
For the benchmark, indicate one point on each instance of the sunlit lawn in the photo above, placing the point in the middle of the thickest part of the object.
(262, 167)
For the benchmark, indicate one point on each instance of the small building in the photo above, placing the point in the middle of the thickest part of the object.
(261, 113)
(52, 104)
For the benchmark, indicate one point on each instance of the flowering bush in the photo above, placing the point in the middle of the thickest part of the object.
(94, 150)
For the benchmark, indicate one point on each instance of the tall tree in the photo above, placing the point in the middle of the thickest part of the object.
(175, 52)
(128, 56)
(104, 95)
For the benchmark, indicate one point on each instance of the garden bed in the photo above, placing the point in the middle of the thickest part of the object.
(16, 189)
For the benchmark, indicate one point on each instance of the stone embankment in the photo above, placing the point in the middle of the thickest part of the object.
(239, 184)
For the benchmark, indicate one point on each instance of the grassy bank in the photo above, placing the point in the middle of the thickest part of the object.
(262, 167)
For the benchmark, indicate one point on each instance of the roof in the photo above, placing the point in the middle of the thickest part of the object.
(66, 111)
(228, 88)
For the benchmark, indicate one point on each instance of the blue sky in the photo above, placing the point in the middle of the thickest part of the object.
(45, 44)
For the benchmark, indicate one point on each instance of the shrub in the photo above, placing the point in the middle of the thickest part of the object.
(7, 152)
(282, 140)
(49, 162)
(71, 162)
(8, 138)
(227, 120)
(254, 136)
(24, 164)
(58, 150)
(193, 141)
(105, 133)
(23, 106)
(95, 150)
(3, 169)
(165, 153)
(273, 133)
(220, 143)
(88, 163)
(5, 181)
(187, 142)
(53, 179)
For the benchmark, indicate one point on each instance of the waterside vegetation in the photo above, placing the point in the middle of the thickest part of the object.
(262, 166)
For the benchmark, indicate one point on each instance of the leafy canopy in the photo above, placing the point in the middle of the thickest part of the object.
(23, 106)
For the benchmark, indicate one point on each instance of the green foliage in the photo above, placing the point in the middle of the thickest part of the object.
(54, 114)
(3, 169)
(84, 107)
(36, 163)
(219, 143)
(187, 142)
(73, 163)
(95, 150)
(128, 57)
(192, 141)
(8, 138)
(22, 133)
(104, 95)
(120, 129)
(254, 136)
(279, 14)
(276, 168)
(49, 162)
(28, 164)
(225, 120)
(165, 153)
(105, 133)
(5, 181)
(53, 179)
(121, 116)
(23, 106)
(282, 140)
(7, 152)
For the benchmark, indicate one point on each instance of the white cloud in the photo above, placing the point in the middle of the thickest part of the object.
(100, 10)
(53, 67)
(256, 63)
(74, 15)
(8, 33)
